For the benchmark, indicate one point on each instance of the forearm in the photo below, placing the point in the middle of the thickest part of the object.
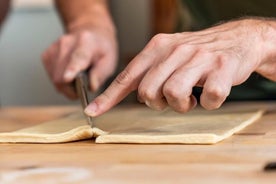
(77, 14)
(4, 9)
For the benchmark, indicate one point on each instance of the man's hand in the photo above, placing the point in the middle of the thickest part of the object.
(90, 43)
(78, 51)
(216, 59)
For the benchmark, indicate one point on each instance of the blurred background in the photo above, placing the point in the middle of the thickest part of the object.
(33, 25)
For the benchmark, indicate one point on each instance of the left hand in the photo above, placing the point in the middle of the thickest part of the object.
(94, 49)
(172, 64)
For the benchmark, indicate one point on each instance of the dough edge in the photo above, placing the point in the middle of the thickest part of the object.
(79, 133)
(177, 139)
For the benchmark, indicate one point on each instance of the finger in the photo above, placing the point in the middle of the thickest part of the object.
(101, 71)
(61, 58)
(160, 106)
(178, 88)
(216, 89)
(81, 58)
(126, 82)
(129, 79)
(56, 58)
(150, 88)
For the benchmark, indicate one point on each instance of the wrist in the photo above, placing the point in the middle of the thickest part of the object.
(267, 64)
(86, 14)
(91, 23)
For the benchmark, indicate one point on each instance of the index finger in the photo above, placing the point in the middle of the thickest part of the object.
(126, 82)
(129, 79)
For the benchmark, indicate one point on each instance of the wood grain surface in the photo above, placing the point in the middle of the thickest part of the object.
(239, 159)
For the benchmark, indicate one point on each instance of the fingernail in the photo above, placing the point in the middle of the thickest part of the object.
(69, 75)
(149, 104)
(91, 109)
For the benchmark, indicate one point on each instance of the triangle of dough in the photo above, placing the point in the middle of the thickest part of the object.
(139, 125)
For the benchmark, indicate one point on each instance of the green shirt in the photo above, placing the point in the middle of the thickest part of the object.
(205, 13)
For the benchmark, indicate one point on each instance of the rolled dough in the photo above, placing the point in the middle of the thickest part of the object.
(67, 129)
(139, 125)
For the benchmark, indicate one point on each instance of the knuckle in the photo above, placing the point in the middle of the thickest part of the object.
(216, 93)
(179, 35)
(160, 36)
(202, 52)
(160, 39)
(201, 49)
(146, 94)
(104, 101)
(221, 61)
(222, 57)
(185, 105)
(84, 35)
(80, 56)
(104, 97)
(124, 78)
(170, 92)
(183, 48)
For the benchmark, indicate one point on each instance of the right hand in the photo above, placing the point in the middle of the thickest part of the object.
(166, 70)
(77, 51)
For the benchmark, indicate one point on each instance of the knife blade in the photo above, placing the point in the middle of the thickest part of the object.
(81, 85)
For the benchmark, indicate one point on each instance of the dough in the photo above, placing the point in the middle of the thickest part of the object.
(140, 125)
(70, 128)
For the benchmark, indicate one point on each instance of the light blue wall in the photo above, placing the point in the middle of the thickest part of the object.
(23, 80)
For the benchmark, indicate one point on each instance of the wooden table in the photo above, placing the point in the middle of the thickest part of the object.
(239, 159)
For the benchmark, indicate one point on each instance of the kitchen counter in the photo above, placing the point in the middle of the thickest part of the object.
(238, 159)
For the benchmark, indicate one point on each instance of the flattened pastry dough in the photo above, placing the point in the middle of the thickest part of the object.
(140, 125)
(70, 128)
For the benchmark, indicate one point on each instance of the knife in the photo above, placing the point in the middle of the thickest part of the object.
(81, 85)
